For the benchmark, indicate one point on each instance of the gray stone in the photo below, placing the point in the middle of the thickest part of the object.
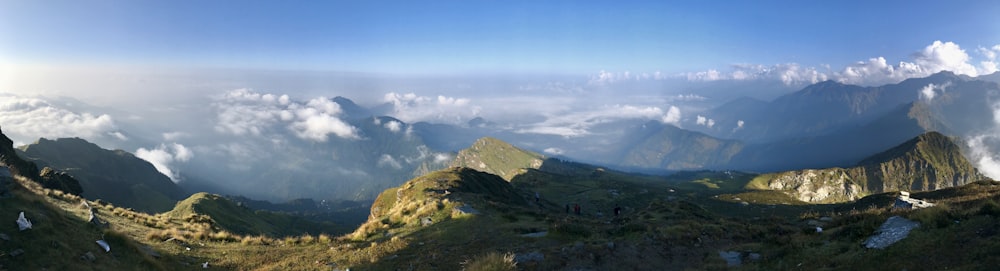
(466, 209)
(894, 229)
(16, 252)
(533, 256)
(732, 258)
(4, 236)
(826, 219)
(426, 221)
(754, 256)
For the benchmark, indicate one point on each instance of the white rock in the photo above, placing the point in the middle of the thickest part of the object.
(23, 223)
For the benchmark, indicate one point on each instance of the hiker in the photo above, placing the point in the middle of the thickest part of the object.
(576, 208)
(567, 208)
(618, 210)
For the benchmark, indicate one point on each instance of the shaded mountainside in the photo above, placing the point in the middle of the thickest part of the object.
(823, 108)
(930, 161)
(47, 177)
(497, 157)
(233, 217)
(655, 145)
(114, 176)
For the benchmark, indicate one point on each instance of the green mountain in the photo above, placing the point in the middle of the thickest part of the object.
(47, 177)
(928, 162)
(497, 157)
(113, 176)
(233, 217)
(663, 146)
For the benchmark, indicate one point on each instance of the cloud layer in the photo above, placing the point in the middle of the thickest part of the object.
(27, 119)
(936, 57)
(165, 157)
(411, 108)
(246, 112)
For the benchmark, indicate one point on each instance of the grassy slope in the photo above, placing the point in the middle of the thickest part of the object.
(104, 173)
(229, 216)
(497, 157)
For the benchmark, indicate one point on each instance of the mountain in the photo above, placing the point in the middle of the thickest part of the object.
(500, 158)
(236, 218)
(930, 161)
(47, 177)
(820, 108)
(113, 176)
(843, 124)
(656, 145)
(435, 198)
(351, 110)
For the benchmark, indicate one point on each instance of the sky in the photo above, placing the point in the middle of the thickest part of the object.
(179, 81)
(474, 37)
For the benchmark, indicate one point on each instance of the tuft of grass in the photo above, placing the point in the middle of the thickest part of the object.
(492, 261)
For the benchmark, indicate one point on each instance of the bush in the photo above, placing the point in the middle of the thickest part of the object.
(493, 261)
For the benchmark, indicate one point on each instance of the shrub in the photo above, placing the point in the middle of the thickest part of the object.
(493, 261)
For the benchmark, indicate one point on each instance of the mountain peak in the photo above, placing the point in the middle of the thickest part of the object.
(497, 157)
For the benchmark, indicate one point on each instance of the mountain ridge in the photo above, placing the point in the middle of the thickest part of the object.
(927, 162)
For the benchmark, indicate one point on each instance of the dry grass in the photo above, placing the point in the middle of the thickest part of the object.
(492, 261)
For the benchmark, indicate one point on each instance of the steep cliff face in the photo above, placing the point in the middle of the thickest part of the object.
(930, 161)
(814, 185)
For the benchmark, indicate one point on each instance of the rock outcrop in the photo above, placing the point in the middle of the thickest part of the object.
(930, 161)
(894, 229)
(48, 178)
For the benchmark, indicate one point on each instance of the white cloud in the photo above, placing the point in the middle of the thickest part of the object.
(388, 161)
(707, 122)
(984, 159)
(245, 112)
(553, 151)
(686, 98)
(788, 73)
(573, 123)
(936, 57)
(27, 119)
(739, 125)
(441, 158)
(394, 126)
(981, 147)
(673, 116)
(118, 135)
(411, 108)
(927, 93)
(945, 56)
(989, 65)
(164, 157)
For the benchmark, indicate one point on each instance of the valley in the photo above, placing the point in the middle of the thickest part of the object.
(499, 199)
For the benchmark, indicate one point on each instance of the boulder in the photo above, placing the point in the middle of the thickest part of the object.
(894, 229)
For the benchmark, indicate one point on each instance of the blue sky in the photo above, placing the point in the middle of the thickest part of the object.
(449, 37)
